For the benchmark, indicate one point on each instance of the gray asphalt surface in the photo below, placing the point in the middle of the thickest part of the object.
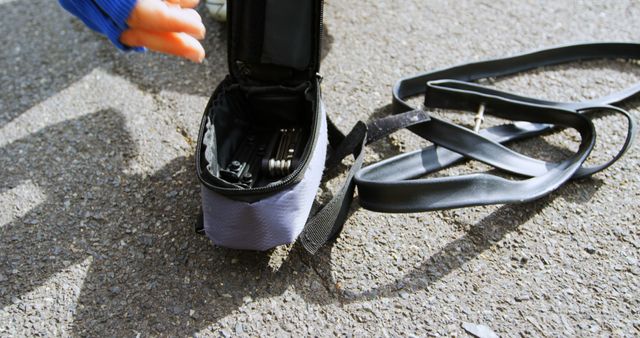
(98, 195)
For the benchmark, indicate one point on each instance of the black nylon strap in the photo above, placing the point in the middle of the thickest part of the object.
(389, 185)
(416, 85)
(328, 221)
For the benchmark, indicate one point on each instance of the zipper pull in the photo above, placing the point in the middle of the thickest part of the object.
(319, 77)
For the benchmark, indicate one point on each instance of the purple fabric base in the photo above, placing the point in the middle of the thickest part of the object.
(270, 222)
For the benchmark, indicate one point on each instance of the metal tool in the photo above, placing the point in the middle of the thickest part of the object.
(284, 157)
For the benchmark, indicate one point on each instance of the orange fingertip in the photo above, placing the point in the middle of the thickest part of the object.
(160, 16)
(179, 44)
(188, 3)
(129, 38)
(184, 3)
(184, 45)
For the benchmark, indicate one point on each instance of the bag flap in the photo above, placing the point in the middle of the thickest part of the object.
(274, 41)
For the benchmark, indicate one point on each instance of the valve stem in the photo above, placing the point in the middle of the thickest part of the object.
(479, 118)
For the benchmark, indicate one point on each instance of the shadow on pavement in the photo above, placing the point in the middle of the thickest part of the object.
(149, 272)
(480, 237)
(48, 49)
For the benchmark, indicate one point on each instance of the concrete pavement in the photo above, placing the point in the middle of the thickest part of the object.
(98, 195)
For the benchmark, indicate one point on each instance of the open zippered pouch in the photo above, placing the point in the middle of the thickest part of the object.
(264, 135)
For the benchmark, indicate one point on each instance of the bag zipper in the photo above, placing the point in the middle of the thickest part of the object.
(291, 179)
(320, 34)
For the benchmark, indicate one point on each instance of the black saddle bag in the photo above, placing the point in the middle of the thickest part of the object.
(263, 142)
(263, 137)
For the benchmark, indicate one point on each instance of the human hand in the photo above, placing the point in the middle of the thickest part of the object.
(171, 27)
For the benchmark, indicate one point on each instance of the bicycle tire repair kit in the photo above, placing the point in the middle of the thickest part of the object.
(265, 139)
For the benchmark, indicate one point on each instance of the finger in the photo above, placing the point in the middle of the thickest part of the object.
(173, 3)
(185, 3)
(156, 15)
(179, 44)
(189, 3)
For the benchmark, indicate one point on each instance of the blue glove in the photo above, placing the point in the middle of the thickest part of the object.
(108, 17)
